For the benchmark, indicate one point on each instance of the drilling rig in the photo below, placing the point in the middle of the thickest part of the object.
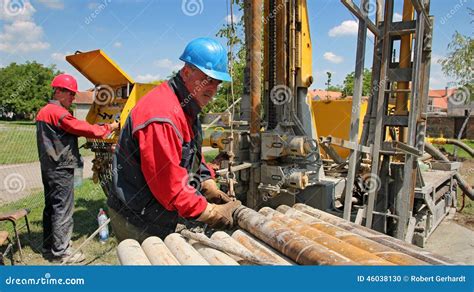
(383, 182)
(272, 153)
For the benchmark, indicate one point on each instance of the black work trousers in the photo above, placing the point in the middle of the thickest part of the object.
(58, 209)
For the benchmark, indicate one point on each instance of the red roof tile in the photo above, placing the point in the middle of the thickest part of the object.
(84, 97)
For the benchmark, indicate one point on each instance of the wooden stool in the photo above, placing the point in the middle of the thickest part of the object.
(13, 217)
(4, 237)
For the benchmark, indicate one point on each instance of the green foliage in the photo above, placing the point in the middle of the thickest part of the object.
(348, 86)
(25, 87)
(235, 39)
(336, 88)
(459, 62)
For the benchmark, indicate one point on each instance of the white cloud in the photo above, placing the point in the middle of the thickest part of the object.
(53, 4)
(397, 17)
(333, 58)
(167, 64)
(117, 45)
(437, 78)
(235, 18)
(348, 27)
(59, 57)
(147, 78)
(16, 10)
(20, 34)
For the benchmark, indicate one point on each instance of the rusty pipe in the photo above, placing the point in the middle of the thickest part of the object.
(255, 65)
(388, 241)
(356, 240)
(259, 249)
(344, 248)
(299, 248)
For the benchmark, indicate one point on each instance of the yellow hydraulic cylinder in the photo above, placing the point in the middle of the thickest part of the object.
(401, 104)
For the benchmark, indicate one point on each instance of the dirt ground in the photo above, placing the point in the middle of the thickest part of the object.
(466, 216)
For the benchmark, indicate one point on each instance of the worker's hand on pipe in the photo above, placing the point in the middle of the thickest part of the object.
(114, 126)
(212, 193)
(219, 216)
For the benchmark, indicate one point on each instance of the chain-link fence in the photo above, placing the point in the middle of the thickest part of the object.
(21, 187)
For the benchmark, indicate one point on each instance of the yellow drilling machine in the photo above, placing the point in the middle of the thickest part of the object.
(368, 165)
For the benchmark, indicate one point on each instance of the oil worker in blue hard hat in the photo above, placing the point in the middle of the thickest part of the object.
(160, 149)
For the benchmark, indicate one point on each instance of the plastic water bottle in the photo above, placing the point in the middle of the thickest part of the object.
(104, 231)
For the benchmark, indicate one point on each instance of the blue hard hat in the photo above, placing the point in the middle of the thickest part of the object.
(209, 56)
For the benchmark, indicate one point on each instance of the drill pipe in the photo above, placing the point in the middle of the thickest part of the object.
(299, 248)
(214, 256)
(199, 237)
(183, 251)
(157, 252)
(130, 253)
(344, 248)
(258, 248)
(354, 239)
(229, 241)
(394, 243)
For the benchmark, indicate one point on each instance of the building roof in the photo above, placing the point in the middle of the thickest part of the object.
(320, 94)
(84, 97)
(440, 97)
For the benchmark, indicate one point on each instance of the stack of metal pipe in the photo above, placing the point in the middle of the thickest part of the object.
(285, 236)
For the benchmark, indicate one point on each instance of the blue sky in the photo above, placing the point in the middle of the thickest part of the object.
(146, 37)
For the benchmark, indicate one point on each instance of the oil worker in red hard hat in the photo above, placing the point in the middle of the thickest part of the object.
(57, 131)
(159, 149)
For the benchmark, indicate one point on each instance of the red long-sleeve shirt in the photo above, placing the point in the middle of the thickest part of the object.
(57, 131)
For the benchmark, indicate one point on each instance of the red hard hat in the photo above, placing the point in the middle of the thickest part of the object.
(65, 81)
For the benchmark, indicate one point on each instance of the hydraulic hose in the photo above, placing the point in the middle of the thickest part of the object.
(456, 142)
(465, 187)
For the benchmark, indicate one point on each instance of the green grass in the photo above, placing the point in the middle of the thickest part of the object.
(210, 155)
(18, 140)
(461, 153)
(88, 199)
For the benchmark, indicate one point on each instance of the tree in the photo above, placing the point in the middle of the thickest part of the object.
(25, 87)
(459, 62)
(235, 39)
(348, 85)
